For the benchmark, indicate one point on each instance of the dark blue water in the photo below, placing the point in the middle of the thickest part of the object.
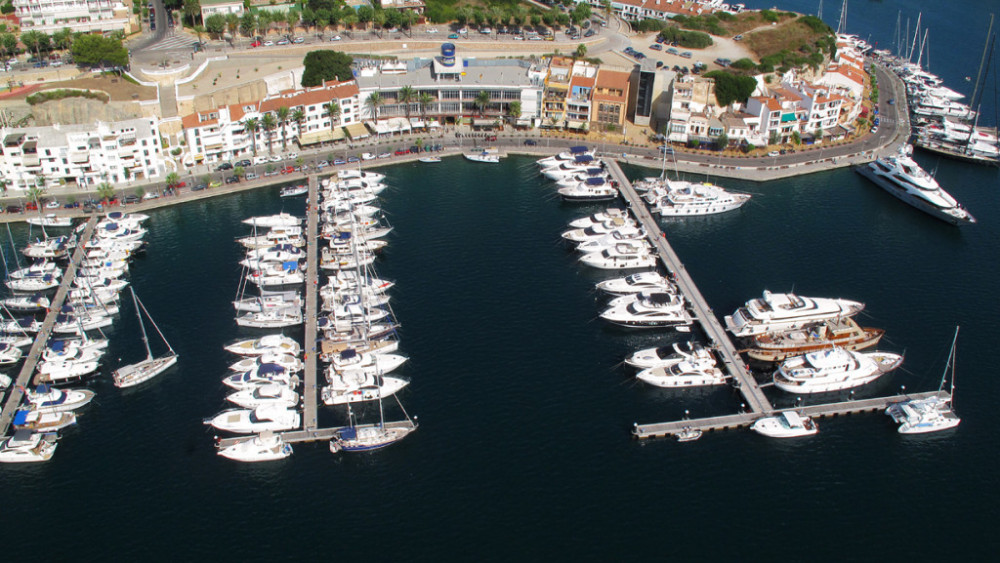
(523, 450)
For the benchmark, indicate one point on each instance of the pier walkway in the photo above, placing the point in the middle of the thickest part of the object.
(732, 363)
(35, 353)
(309, 394)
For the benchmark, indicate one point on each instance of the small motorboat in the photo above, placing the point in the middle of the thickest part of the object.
(49, 399)
(292, 191)
(688, 434)
(429, 159)
(43, 421)
(486, 156)
(276, 343)
(250, 421)
(26, 446)
(261, 375)
(51, 221)
(267, 394)
(785, 424)
(265, 447)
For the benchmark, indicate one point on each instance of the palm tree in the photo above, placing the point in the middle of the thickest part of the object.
(252, 125)
(406, 96)
(232, 24)
(34, 193)
(268, 122)
(581, 51)
(105, 191)
(333, 110)
(425, 99)
(349, 19)
(172, 180)
(482, 100)
(282, 115)
(298, 116)
(372, 102)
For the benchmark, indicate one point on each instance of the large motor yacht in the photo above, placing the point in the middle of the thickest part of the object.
(834, 369)
(786, 311)
(685, 199)
(648, 309)
(635, 283)
(622, 256)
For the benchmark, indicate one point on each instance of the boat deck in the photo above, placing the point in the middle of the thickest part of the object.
(38, 346)
(309, 393)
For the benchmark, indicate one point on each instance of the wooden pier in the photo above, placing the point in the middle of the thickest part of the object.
(732, 363)
(38, 346)
(309, 391)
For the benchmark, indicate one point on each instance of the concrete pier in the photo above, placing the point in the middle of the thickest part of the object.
(35, 353)
(310, 394)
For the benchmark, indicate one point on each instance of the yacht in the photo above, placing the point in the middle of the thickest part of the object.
(50, 248)
(665, 355)
(275, 274)
(32, 284)
(28, 447)
(330, 350)
(62, 349)
(9, 354)
(592, 189)
(86, 286)
(624, 224)
(350, 362)
(287, 361)
(429, 159)
(369, 437)
(117, 232)
(78, 324)
(43, 421)
(263, 345)
(271, 319)
(292, 191)
(252, 421)
(271, 302)
(622, 256)
(277, 253)
(20, 326)
(686, 199)
(485, 156)
(349, 280)
(50, 399)
(59, 372)
(638, 282)
(833, 369)
(35, 270)
(330, 260)
(267, 394)
(270, 221)
(688, 370)
(902, 177)
(611, 239)
(600, 217)
(356, 173)
(932, 414)
(265, 447)
(785, 424)
(786, 311)
(260, 375)
(121, 216)
(579, 165)
(565, 156)
(51, 221)
(647, 310)
(358, 387)
(18, 339)
(842, 332)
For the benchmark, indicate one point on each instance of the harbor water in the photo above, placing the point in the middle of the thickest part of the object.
(523, 450)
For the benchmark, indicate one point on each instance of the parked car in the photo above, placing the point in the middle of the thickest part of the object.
(224, 166)
(385, 155)
(656, 47)
(590, 33)
(131, 198)
(401, 152)
(288, 170)
(150, 195)
(244, 163)
(351, 159)
(431, 30)
(530, 142)
(335, 38)
(250, 176)
(874, 129)
(367, 156)
(298, 40)
(268, 43)
(773, 153)
(452, 36)
(14, 209)
(255, 44)
(260, 160)
(283, 42)
(291, 156)
(323, 164)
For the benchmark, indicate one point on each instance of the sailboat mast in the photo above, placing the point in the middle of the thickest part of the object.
(951, 357)
(916, 34)
(923, 42)
(152, 322)
(138, 314)
(982, 61)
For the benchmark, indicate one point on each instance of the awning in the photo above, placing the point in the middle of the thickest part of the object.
(417, 123)
(785, 118)
(357, 130)
(572, 124)
(523, 121)
(323, 136)
(433, 124)
(486, 122)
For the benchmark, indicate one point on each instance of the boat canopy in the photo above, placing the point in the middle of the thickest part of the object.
(577, 150)
(20, 417)
(595, 181)
(594, 171)
(57, 345)
(270, 369)
(793, 418)
(583, 158)
(660, 298)
(348, 354)
(115, 215)
(26, 322)
(290, 265)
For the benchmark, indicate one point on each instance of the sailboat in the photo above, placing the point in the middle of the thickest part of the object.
(933, 414)
(368, 437)
(134, 374)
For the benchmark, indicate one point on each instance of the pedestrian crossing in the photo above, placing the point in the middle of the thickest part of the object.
(173, 43)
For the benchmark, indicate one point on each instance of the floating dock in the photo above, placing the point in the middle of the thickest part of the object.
(38, 346)
(309, 394)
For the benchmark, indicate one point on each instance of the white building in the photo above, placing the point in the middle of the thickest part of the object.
(212, 7)
(49, 16)
(86, 155)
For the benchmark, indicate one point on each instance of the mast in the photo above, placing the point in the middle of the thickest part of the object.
(951, 365)
(842, 26)
(982, 61)
(920, 55)
(895, 37)
(152, 322)
(916, 34)
(138, 314)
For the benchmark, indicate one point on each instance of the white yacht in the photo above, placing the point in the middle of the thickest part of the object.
(28, 447)
(265, 447)
(834, 369)
(613, 238)
(43, 421)
(9, 354)
(287, 361)
(622, 256)
(593, 189)
(35, 270)
(78, 324)
(117, 232)
(688, 370)
(348, 280)
(785, 424)
(273, 274)
(251, 421)
(624, 224)
(490, 157)
(263, 345)
(647, 310)
(23, 325)
(786, 311)
(933, 414)
(277, 253)
(271, 319)
(333, 261)
(903, 178)
(638, 282)
(666, 355)
(50, 399)
(32, 284)
(50, 248)
(292, 191)
(260, 375)
(579, 165)
(269, 221)
(370, 437)
(686, 199)
(358, 387)
(600, 217)
(350, 362)
(566, 156)
(267, 394)
(58, 372)
(121, 216)
(270, 302)
(352, 173)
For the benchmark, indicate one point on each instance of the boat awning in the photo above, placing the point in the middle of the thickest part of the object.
(357, 130)
(583, 158)
(326, 135)
(577, 150)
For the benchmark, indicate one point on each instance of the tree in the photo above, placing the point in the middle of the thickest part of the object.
(365, 14)
(581, 51)
(796, 138)
(332, 109)
(482, 100)
(514, 110)
(105, 191)
(282, 115)
(252, 125)
(34, 193)
(298, 116)
(772, 138)
(321, 66)
(406, 96)
(95, 50)
(8, 44)
(63, 38)
(299, 161)
(238, 171)
(292, 18)
(248, 24)
(425, 99)
(173, 179)
(730, 88)
(268, 123)
(722, 141)
(34, 41)
(580, 13)
(373, 102)
(215, 25)
(232, 24)
(199, 30)
(192, 9)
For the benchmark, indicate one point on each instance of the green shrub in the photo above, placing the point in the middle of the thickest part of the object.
(744, 64)
(769, 15)
(731, 88)
(49, 95)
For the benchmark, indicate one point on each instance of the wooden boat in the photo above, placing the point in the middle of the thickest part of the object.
(843, 333)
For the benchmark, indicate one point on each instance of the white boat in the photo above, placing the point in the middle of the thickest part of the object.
(28, 447)
(490, 157)
(263, 345)
(74, 348)
(292, 191)
(89, 285)
(636, 283)
(49, 399)
(117, 232)
(78, 324)
(684, 370)
(278, 253)
(622, 256)
(33, 284)
(275, 274)
(358, 387)
(51, 221)
(647, 310)
(370, 363)
(265, 447)
(593, 189)
(24, 325)
(566, 156)
(330, 350)
(58, 372)
(266, 394)
(611, 239)
(246, 421)
(261, 375)
(623, 224)
(18, 339)
(785, 424)
(274, 302)
(598, 175)
(121, 216)
(268, 240)
(904, 179)
(600, 217)
(270, 221)
(9, 354)
(5, 381)
(50, 248)
(356, 173)
(786, 311)
(43, 421)
(687, 199)
(579, 165)
(271, 319)
(35, 270)
(688, 434)
(348, 280)
(429, 159)
(140, 372)
(666, 355)
(333, 261)
(287, 361)
(933, 414)
(834, 369)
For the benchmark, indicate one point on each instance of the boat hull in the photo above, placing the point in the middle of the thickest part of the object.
(905, 197)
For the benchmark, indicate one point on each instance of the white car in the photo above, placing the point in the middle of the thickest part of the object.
(485, 30)
(335, 38)
(773, 153)
(367, 156)
(291, 156)
(259, 159)
(52, 205)
(150, 195)
(268, 43)
(431, 30)
(275, 158)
